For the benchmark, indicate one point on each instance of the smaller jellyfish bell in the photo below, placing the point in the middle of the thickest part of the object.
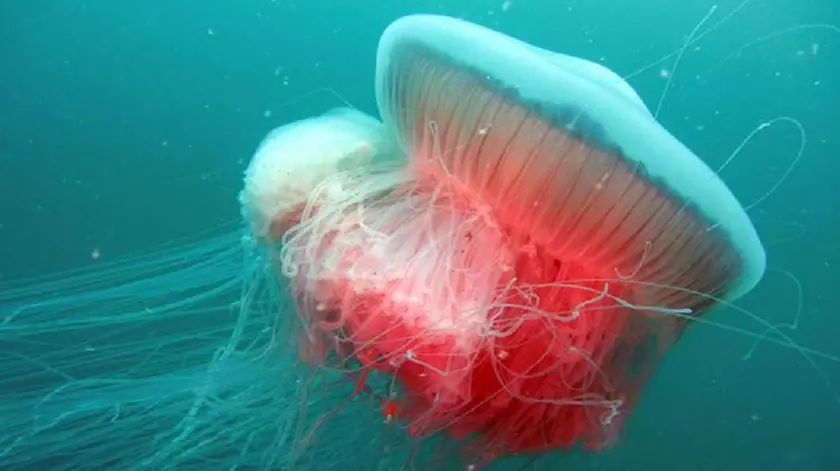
(294, 159)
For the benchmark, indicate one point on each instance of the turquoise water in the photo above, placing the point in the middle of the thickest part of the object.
(124, 126)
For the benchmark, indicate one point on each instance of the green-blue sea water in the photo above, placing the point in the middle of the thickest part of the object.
(127, 125)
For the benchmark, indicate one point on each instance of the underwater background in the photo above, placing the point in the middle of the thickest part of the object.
(128, 124)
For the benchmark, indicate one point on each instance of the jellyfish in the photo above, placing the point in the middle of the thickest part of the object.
(514, 279)
(500, 259)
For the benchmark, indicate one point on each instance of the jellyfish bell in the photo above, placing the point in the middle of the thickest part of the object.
(548, 242)
(293, 159)
(567, 146)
